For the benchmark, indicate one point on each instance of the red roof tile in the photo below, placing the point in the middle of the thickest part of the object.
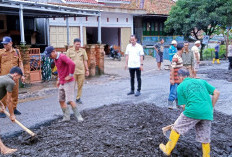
(95, 2)
(158, 6)
(83, 1)
(162, 7)
(116, 0)
(95, 6)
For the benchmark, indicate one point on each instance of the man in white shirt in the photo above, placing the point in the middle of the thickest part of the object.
(196, 53)
(230, 55)
(134, 61)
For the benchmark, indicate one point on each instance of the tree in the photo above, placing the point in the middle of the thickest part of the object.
(192, 17)
(226, 31)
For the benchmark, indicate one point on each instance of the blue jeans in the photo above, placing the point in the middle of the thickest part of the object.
(173, 92)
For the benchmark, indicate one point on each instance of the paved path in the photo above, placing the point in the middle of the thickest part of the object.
(107, 90)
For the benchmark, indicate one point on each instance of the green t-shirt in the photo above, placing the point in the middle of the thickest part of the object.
(195, 95)
(6, 85)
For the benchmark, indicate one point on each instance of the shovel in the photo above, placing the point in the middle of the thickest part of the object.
(33, 138)
(167, 130)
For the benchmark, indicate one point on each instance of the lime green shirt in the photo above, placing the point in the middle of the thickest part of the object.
(195, 95)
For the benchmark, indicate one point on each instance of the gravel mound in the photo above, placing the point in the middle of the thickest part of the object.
(121, 130)
(218, 74)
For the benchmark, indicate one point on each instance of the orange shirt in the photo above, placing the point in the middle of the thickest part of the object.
(8, 60)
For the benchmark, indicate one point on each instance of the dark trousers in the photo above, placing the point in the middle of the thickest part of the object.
(230, 63)
(216, 55)
(138, 75)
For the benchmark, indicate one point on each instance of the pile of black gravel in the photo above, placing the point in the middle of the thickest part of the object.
(121, 130)
(218, 74)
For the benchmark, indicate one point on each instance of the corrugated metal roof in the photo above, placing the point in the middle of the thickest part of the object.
(42, 10)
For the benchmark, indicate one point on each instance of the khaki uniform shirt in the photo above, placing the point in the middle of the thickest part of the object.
(8, 60)
(78, 57)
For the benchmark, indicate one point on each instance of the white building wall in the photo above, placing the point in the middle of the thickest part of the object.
(124, 20)
(108, 20)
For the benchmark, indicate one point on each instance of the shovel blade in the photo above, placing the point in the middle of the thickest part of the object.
(167, 130)
(167, 134)
(30, 140)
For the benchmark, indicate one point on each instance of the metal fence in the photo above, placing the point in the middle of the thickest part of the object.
(149, 42)
(35, 65)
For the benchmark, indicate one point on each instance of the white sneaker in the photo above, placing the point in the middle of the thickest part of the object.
(170, 105)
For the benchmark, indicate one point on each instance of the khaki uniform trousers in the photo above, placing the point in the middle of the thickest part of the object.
(15, 93)
(80, 78)
(7, 61)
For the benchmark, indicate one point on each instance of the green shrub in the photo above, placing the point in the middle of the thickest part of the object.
(222, 52)
(208, 53)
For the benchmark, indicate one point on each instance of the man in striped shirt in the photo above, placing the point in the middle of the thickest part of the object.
(176, 64)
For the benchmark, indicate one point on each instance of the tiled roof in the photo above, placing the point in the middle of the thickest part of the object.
(159, 7)
(116, 0)
(162, 7)
(95, 6)
(95, 1)
(83, 1)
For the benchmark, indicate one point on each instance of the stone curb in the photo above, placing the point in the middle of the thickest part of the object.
(39, 93)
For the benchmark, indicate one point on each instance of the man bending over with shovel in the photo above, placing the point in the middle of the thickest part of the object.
(7, 83)
(194, 94)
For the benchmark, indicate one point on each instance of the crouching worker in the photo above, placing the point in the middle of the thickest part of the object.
(194, 94)
(7, 83)
(65, 83)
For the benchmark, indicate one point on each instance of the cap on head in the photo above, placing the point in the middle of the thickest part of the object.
(197, 42)
(16, 70)
(6, 40)
(174, 42)
(49, 50)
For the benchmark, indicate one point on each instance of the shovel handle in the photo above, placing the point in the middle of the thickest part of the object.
(166, 128)
(20, 124)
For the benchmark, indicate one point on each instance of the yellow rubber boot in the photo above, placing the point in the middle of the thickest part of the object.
(213, 60)
(218, 62)
(206, 149)
(167, 149)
